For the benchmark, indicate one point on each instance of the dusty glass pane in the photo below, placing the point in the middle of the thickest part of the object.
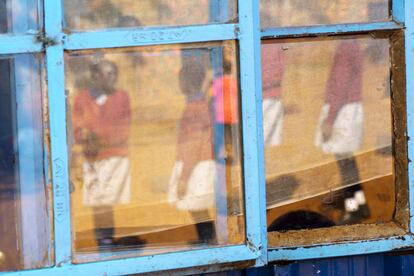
(155, 159)
(19, 16)
(285, 13)
(98, 14)
(25, 226)
(328, 132)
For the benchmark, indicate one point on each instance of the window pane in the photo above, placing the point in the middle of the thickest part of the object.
(24, 202)
(328, 132)
(98, 14)
(19, 16)
(155, 162)
(285, 13)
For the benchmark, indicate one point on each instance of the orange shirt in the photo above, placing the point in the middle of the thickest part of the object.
(226, 102)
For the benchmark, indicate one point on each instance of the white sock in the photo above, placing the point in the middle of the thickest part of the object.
(351, 205)
(360, 197)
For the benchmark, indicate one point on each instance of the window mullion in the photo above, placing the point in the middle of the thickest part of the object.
(149, 36)
(398, 11)
(18, 44)
(58, 139)
(250, 75)
(409, 60)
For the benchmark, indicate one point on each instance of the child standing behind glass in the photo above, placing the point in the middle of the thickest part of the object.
(101, 122)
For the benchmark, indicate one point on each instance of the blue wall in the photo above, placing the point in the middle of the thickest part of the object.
(371, 265)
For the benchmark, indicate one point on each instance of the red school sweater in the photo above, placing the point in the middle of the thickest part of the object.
(194, 136)
(345, 79)
(110, 122)
(273, 66)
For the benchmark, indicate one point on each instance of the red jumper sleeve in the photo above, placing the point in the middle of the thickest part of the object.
(345, 80)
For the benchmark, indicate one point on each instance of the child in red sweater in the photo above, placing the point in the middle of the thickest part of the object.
(194, 174)
(340, 128)
(273, 66)
(101, 119)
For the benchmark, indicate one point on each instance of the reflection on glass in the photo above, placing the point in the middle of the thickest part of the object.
(98, 14)
(285, 13)
(19, 16)
(328, 132)
(24, 218)
(155, 162)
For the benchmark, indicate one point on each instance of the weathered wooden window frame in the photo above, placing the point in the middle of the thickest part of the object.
(53, 42)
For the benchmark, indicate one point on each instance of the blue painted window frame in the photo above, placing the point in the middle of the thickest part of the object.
(248, 33)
